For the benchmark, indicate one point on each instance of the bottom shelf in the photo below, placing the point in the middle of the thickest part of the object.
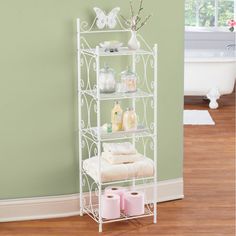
(92, 211)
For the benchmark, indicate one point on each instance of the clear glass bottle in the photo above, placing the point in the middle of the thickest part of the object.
(130, 121)
(129, 81)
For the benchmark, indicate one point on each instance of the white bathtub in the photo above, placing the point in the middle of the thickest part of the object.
(209, 73)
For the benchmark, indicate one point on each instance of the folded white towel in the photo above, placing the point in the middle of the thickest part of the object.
(119, 148)
(139, 169)
(119, 159)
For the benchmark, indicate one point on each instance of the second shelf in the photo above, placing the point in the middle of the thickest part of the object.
(117, 95)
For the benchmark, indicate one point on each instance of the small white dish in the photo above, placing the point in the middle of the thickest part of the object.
(111, 46)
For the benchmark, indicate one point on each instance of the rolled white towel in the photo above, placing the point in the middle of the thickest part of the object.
(121, 159)
(119, 148)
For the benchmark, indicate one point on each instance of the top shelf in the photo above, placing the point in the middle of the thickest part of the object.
(124, 51)
(106, 31)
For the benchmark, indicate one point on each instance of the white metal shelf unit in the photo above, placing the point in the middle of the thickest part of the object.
(93, 207)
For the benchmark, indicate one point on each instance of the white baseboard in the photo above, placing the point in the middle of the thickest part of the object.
(68, 205)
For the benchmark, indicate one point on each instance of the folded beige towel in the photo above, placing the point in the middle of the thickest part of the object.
(119, 159)
(119, 148)
(139, 169)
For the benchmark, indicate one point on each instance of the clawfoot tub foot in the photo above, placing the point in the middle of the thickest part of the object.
(205, 99)
(213, 96)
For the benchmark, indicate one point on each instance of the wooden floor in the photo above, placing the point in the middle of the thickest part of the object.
(208, 206)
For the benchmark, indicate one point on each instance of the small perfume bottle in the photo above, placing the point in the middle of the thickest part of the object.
(130, 122)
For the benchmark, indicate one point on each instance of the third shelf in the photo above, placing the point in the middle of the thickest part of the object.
(104, 136)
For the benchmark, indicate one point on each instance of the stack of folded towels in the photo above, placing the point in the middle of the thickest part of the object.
(119, 161)
(118, 153)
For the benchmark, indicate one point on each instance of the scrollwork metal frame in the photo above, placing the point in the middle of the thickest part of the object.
(89, 106)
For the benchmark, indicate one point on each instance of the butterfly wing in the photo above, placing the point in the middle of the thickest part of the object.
(101, 18)
(111, 18)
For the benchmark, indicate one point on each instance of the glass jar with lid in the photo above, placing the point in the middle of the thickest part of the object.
(129, 81)
(107, 82)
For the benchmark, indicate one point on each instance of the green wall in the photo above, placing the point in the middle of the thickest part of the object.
(38, 91)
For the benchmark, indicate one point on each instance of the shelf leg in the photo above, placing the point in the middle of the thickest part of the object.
(155, 219)
(79, 119)
(81, 211)
(155, 138)
(134, 107)
(155, 210)
(100, 227)
(100, 207)
(99, 141)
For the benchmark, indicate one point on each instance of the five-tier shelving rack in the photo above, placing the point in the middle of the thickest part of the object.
(90, 137)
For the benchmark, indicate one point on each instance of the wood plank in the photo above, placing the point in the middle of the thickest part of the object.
(208, 206)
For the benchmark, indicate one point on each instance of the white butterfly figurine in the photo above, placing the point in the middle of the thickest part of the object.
(106, 20)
